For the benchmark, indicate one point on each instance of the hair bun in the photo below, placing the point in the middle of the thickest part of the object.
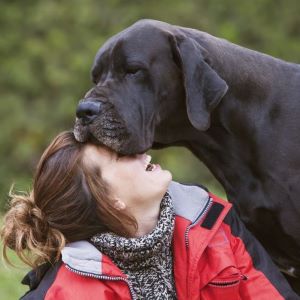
(27, 216)
(25, 227)
(23, 219)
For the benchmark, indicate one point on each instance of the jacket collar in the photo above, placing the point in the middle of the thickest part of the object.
(189, 201)
(84, 257)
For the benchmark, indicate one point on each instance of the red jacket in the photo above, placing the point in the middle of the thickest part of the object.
(215, 257)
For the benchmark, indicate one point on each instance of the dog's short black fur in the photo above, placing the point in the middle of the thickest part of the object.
(237, 110)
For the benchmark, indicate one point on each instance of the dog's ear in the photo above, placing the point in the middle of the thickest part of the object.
(204, 88)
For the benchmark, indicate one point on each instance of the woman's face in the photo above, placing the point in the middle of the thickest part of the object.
(127, 176)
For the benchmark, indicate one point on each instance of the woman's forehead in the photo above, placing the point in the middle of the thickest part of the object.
(98, 154)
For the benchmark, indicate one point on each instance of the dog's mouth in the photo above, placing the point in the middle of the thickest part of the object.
(109, 131)
(116, 138)
(107, 128)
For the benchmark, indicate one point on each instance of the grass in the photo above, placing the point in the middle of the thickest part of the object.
(10, 277)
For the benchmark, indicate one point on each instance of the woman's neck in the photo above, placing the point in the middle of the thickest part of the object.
(146, 216)
(147, 221)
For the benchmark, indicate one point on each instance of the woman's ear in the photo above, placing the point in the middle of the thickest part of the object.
(119, 205)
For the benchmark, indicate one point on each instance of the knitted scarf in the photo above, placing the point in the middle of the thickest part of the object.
(146, 260)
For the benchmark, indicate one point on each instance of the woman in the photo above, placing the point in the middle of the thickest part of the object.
(100, 226)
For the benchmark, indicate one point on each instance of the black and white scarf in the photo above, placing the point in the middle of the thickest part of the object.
(147, 261)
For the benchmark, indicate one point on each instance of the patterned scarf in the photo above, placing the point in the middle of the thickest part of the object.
(147, 261)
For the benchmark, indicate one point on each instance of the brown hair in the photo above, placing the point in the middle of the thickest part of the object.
(69, 202)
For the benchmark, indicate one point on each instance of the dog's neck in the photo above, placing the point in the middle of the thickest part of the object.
(252, 77)
(242, 68)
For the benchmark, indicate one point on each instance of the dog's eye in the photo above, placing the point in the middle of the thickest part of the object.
(133, 71)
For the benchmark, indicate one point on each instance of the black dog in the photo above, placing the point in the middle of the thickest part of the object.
(237, 110)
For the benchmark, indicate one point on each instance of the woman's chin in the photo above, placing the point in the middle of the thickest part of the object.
(167, 177)
(161, 177)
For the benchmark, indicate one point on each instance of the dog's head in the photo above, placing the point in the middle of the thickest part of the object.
(151, 80)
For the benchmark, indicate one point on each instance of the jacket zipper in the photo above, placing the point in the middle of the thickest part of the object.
(228, 283)
(224, 283)
(105, 277)
(204, 210)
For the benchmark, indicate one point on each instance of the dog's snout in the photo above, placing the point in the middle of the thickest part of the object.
(87, 111)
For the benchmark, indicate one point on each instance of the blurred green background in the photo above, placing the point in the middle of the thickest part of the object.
(46, 51)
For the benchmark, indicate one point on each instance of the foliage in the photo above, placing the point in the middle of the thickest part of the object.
(47, 47)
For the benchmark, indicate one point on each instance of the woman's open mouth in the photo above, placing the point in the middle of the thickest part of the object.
(149, 167)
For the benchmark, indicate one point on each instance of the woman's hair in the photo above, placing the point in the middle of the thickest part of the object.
(69, 202)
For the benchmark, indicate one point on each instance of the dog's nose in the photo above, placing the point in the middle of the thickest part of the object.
(87, 111)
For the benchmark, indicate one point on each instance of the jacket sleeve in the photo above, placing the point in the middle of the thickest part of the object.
(262, 279)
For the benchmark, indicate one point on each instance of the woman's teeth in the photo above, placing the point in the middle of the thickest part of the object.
(148, 159)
